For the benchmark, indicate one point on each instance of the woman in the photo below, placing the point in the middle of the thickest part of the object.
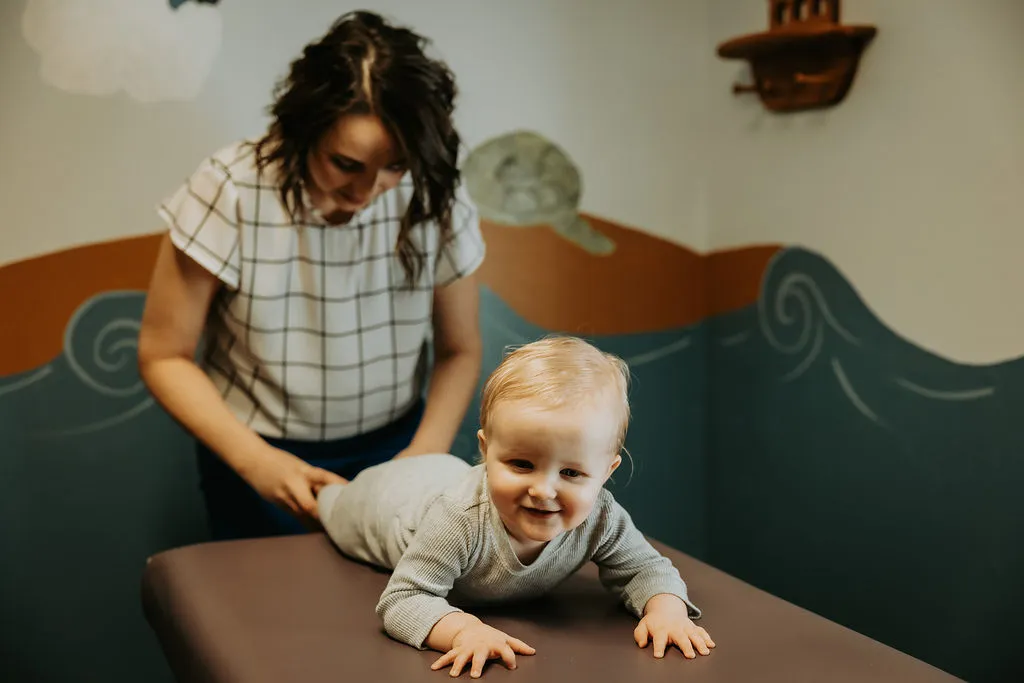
(315, 263)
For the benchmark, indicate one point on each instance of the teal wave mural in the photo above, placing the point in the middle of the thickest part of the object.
(94, 478)
(865, 478)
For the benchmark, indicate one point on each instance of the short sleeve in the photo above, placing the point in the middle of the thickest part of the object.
(202, 216)
(464, 249)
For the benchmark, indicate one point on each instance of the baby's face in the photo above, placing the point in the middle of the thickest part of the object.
(546, 467)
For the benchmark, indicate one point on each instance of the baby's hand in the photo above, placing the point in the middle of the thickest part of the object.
(666, 620)
(480, 642)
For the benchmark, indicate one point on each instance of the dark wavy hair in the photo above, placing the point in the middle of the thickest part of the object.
(366, 65)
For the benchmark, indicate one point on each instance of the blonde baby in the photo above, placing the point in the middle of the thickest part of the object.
(531, 513)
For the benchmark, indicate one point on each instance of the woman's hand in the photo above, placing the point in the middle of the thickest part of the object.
(289, 482)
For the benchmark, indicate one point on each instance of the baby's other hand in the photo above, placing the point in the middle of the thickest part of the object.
(478, 643)
(666, 621)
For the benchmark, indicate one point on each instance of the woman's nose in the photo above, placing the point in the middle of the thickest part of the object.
(361, 187)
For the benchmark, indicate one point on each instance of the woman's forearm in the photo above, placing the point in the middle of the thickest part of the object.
(452, 386)
(184, 391)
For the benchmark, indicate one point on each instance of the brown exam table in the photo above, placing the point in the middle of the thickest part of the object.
(289, 609)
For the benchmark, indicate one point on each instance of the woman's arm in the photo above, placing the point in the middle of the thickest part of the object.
(179, 297)
(177, 303)
(458, 351)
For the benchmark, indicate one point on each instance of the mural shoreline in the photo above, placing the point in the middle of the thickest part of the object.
(793, 293)
(75, 275)
(680, 287)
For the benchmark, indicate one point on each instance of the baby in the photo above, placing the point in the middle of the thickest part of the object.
(534, 511)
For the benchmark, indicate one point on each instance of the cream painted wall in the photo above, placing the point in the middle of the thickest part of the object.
(908, 185)
(620, 89)
(909, 182)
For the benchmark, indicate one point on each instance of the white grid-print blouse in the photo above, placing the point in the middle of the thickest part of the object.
(314, 335)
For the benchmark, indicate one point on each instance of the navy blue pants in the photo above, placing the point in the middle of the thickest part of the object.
(234, 509)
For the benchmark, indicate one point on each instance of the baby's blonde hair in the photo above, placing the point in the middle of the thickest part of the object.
(559, 371)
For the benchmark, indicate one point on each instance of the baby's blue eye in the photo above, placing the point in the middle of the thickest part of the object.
(572, 474)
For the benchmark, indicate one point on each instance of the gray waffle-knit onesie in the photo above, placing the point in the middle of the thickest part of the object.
(431, 520)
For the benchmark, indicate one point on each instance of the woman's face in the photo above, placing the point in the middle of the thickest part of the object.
(356, 162)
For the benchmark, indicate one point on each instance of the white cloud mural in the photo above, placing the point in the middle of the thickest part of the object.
(152, 50)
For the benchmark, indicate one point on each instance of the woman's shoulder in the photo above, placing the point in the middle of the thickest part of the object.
(236, 161)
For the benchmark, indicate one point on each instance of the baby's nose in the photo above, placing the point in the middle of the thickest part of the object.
(542, 491)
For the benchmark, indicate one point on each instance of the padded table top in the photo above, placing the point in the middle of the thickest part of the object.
(293, 609)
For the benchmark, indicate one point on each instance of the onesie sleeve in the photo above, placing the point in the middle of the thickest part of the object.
(415, 598)
(203, 219)
(631, 567)
(463, 250)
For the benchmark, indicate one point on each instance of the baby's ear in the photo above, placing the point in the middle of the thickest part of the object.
(616, 461)
(481, 441)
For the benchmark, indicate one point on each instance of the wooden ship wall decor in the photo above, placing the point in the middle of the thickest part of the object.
(807, 58)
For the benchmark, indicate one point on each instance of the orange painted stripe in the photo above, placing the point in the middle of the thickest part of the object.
(647, 284)
(41, 294)
(734, 276)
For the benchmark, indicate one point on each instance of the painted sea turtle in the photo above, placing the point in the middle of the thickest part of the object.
(521, 178)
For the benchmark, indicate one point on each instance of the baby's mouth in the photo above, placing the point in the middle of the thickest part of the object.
(544, 514)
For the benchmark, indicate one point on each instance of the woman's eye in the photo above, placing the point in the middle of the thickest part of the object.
(345, 166)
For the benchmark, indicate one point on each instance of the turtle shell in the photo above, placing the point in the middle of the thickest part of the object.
(521, 178)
